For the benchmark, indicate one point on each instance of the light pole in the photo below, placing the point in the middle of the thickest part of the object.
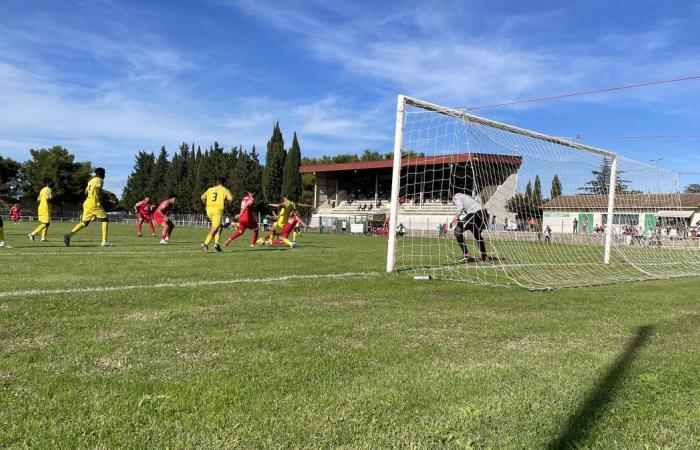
(656, 164)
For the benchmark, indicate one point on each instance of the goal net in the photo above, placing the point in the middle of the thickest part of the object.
(554, 213)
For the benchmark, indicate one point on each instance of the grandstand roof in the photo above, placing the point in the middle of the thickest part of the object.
(422, 161)
(625, 201)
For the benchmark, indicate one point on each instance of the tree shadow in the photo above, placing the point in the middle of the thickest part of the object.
(601, 395)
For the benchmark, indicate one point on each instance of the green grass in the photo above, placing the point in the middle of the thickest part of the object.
(354, 361)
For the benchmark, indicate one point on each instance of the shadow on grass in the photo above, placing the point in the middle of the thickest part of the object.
(599, 398)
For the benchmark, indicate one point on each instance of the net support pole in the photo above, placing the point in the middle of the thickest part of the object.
(611, 209)
(395, 185)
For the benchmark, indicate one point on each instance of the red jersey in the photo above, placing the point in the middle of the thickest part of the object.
(144, 208)
(166, 207)
(294, 219)
(15, 212)
(247, 207)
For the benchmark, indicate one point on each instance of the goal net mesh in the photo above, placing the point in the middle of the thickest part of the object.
(545, 202)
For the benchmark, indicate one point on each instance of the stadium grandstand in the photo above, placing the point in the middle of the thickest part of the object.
(357, 193)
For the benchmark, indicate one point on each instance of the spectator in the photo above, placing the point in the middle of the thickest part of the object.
(575, 225)
(547, 235)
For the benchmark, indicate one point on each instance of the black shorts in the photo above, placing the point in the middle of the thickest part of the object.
(475, 222)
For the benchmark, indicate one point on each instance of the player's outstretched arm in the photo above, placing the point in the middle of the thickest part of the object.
(274, 205)
(305, 205)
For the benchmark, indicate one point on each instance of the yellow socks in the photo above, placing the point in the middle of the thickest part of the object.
(39, 229)
(208, 239)
(105, 229)
(77, 228)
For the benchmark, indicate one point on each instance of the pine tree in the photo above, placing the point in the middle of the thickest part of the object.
(156, 185)
(600, 184)
(138, 182)
(274, 166)
(556, 188)
(291, 180)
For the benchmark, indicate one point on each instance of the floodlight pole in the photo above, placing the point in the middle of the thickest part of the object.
(611, 209)
(395, 185)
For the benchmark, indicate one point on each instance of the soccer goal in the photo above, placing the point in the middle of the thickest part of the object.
(554, 212)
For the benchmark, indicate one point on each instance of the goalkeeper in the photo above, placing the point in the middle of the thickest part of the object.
(469, 216)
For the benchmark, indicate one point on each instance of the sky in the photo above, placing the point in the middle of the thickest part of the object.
(107, 78)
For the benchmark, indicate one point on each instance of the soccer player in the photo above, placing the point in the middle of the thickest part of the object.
(2, 230)
(15, 213)
(143, 210)
(246, 220)
(286, 209)
(92, 209)
(214, 201)
(162, 217)
(288, 229)
(44, 211)
(469, 215)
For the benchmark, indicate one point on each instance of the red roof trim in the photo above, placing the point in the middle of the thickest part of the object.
(424, 161)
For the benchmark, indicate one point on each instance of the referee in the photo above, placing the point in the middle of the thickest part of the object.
(469, 216)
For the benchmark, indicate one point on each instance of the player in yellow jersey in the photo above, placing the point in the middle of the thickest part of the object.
(214, 201)
(44, 211)
(286, 210)
(92, 209)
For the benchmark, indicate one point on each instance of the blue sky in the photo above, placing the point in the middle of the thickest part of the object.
(108, 78)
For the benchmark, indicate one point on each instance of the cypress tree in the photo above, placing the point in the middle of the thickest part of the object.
(528, 191)
(291, 181)
(556, 188)
(274, 166)
(537, 191)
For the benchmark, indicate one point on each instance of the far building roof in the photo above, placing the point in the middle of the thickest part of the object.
(420, 161)
(624, 202)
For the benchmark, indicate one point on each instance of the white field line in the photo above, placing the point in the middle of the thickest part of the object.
(480, 266)
(185, 284)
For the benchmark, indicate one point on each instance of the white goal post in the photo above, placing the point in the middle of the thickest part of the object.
(529, 236)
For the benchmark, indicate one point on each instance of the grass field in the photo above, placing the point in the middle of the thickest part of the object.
(150, 346)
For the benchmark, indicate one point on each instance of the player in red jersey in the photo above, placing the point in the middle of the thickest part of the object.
(143, 210)
(15, 213)
(162, 217)
(246, 220)
(287, 230)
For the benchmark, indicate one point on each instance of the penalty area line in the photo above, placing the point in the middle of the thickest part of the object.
(186, 284)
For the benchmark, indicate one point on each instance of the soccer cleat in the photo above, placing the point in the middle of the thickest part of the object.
(2, 244)
(292, 244)
(253, 245)
(205, 248)
(31, 236)
(217, 247)
(44, 239)
(226, 242)
(268, 243)
(107, 244)
(485, 257)
(139, 235)
(66, 239)
(154, 235)
(260, 241)
(467, 257)
(163, 241)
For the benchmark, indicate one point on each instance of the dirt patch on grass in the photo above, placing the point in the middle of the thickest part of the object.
(27, 344)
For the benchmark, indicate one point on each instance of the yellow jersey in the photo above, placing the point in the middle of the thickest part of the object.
(216, 197)
(45, 196)
(93, 192)
(285, 211)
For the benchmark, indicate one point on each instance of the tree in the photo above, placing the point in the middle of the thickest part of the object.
(291, 179)
(537, 191)
(371, 155)
(138, 182)
(556, 188)
(600, 184)
(246, 175)
(528, 190)
(59, 165)
(10, 179)
(274, 166)
(156, 186)
(692, 189)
